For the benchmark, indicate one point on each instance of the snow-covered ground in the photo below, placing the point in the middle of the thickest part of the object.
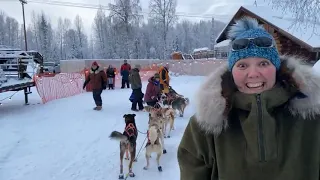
(66, 140)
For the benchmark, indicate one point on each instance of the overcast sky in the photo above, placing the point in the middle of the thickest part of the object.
(220, 9)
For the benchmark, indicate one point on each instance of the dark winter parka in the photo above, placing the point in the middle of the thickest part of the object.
(135, 79)
(153, 90)
(97, 78)
(111, 72)
(271, 136)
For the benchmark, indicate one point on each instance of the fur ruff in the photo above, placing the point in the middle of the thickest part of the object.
(97, 71)
(212, 105)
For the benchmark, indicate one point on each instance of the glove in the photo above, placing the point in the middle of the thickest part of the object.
(152, 97)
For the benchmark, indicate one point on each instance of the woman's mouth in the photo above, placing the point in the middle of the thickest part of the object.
(255, 85)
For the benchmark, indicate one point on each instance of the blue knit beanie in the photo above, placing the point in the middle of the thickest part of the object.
(248, 27)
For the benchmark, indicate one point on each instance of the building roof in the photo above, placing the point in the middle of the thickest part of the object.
(306, 36)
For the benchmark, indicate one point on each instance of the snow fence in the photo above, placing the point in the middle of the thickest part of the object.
(68, 84)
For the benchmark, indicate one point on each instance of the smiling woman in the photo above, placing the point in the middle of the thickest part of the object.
(254, 75)
(256, 118)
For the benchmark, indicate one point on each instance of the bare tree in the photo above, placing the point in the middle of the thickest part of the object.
(163, 12)
(80, 35)
(304, 12)
(126, 13)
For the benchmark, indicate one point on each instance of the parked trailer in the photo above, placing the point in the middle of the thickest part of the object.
(18, 69)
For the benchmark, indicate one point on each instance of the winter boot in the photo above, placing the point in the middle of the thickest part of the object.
(99, 108)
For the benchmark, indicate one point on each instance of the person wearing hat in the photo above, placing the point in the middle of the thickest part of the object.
(257, 117)
(98, 80)
(164, 78)
(153, 91)
(136, 85)
(124, 71)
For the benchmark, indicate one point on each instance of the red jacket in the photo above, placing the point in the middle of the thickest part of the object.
(152, 90)
(125, 67)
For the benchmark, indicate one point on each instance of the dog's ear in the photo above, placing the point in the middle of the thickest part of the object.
(134, 115)
(125, 115)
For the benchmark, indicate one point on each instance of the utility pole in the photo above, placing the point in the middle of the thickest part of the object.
(212, 39)
(24, 25)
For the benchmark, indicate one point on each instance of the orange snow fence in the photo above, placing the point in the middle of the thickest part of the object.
(61, 85)
(51, 87)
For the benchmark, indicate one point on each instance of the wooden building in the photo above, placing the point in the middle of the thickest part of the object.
(290, 39)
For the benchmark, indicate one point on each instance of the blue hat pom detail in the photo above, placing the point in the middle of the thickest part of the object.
(248, 27)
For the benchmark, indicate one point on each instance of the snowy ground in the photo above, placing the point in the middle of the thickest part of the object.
(66, 140)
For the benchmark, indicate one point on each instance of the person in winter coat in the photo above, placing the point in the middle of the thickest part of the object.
(111, 74)
(97, 79)
(164, 78)
(136, 85)
(153, 91)
(257, 117)
(125, 70)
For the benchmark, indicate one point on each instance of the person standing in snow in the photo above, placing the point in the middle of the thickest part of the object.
(111, 74)
(164, 78)
(97, 79)
(136, 85)
(125, 70)
(153, 91)
(257, 117)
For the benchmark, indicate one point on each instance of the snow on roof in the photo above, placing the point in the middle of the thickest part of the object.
(13, 54)
(285, 22)
(316, 67)
(201, 49)
(223, 43)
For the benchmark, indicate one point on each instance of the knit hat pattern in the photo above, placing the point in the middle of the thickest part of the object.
(245, 28)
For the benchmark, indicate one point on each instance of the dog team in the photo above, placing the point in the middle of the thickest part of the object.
(161, 115)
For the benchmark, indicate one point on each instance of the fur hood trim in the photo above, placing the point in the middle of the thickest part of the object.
(97, 71)
(212, 103)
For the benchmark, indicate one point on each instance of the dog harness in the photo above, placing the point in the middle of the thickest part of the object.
(130, 130)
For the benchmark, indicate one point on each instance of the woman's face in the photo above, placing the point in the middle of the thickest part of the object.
(254, 75)
(94, 67)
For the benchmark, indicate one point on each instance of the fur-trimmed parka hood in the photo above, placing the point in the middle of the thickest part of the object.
(212, 104)
(96, 71)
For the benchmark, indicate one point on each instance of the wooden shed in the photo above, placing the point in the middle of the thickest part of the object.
(290, 39)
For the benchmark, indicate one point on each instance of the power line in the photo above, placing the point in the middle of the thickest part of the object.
(93, 6)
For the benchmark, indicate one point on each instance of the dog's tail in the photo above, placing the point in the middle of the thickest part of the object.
(187, 101)
(118, 136)
(153, 134)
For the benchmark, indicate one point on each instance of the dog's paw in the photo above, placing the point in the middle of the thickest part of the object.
(131, 174)
(164, 151)
(160, 169)
(121, 176)
(135, 160)
(168, 136)
(181, 115)
(145, 168)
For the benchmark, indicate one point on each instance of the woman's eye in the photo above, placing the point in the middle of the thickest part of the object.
(242, 66)
(264, 63)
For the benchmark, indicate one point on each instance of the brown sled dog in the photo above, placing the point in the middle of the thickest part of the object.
(127, 142)
(167, 113)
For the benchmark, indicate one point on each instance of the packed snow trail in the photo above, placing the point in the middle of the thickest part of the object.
(66, 140)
